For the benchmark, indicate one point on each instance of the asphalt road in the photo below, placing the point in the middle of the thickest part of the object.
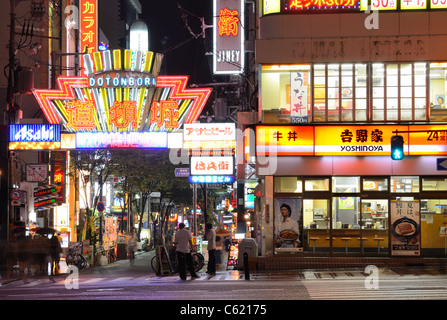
(229, 291)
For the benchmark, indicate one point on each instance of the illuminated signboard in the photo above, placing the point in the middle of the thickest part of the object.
(207, 165)
(122, 92)
(209, 132)
(34, 136)
(94, 140)
(356, 140)
(228, 37)
(271, 6)
(211, 179)
(284, 140)
(310, 5)
(88, 18)
(433, 141)
(364, 140)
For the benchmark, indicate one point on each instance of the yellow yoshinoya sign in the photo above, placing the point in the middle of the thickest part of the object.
(365, 140)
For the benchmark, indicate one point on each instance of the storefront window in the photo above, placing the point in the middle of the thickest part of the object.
(288, 185)
(374, 214)
(438, 91)
(405, 184)
(316, 184)
(345, 184)
(285, 94)
(345, 213)
(315, 214)
(434, 184)
(399, 91)
(339, 92)
(375, 184)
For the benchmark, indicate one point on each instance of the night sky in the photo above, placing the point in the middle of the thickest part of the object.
(184, 53)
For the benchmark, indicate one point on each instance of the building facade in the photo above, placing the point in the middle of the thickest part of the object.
(335, 84)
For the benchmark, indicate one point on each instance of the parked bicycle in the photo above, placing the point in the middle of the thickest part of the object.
(197, 260)
(74, 256)
(111, 256)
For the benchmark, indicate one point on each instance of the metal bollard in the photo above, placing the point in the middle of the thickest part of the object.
(246, 266)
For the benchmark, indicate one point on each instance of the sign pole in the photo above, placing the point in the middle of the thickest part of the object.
(194, 208)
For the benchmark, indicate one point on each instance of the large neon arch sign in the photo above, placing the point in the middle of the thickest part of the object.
(122, 95)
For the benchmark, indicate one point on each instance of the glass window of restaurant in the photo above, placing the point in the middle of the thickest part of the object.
(352, 214)
(414, 91)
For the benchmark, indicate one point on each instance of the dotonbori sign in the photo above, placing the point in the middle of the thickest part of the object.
(122, 94)
(228, 36)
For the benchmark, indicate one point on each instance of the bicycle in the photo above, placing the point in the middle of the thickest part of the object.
(74, 256)
(198, 261)
(111, 257)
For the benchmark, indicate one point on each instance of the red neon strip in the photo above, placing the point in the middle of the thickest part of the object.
(65, 92)
(179, 91)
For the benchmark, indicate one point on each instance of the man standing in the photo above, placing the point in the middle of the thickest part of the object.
(183, 243)
(210, 235)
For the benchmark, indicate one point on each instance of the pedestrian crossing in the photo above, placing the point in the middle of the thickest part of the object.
(359, 291)
(229, 275)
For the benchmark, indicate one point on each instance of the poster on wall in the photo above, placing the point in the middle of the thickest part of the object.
(298, 97)
(288, 225)
(405, 228)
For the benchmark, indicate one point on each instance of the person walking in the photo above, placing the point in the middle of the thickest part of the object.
(183, 242)
(210, 235)
(55, 251)
(131, 244)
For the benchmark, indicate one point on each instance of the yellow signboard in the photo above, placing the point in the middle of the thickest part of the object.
(428, 140)
(365, 140)
(284, 140)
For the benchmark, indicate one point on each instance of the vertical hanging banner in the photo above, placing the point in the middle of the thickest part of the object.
(58, 166)
(88, 18)
(228, 37)
(298, 97)
(405, 228)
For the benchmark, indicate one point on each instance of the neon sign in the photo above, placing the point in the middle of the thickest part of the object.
(321, 4)
(34, 133)
(97, 140)
(211, 179)
(89, 26)
(120, 95)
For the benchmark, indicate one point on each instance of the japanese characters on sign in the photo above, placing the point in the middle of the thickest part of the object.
(36, 172)
(228, 40)
(405, 228)
(211, 179)
(89, 26)
(207, 165)
(356, 140)
(321, 4)
(209, 132)
(284, 140)
(89, 140)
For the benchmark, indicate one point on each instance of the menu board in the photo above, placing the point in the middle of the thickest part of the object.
(405, 228)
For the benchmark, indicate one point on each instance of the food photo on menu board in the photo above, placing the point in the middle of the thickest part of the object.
(288, 224)
(405, 227)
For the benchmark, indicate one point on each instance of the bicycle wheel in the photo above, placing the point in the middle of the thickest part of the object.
(155, 265)
(197, 261)
(69, 259)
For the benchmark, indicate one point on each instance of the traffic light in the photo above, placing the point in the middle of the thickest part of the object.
(397, 147)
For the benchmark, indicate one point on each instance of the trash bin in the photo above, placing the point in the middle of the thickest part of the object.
(250, 246)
